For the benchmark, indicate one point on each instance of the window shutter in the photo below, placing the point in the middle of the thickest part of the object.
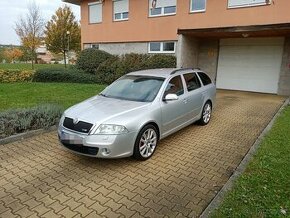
(95, 13)
(121, 6)
(163, 3)
(236, 3)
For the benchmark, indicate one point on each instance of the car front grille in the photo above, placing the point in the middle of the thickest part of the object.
(80, 148)
(81, 126)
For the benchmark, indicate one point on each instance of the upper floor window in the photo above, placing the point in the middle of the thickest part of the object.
(161, 47)
(162, 7)
(121, 10)
(246, 3)
(197, 5)
(95, 12)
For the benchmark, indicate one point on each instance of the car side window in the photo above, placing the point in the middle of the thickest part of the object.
(192, 82)
(174, 86)
(204, 78)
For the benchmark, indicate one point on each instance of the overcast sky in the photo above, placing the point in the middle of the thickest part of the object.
(10, 10)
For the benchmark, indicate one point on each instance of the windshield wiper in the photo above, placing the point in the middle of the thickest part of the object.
(101, 94)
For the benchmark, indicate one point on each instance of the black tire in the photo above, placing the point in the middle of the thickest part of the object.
(204, 120)
(137, 154)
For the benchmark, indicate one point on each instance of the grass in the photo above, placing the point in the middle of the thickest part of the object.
(263, 190)
(23, 95)
(23, 66)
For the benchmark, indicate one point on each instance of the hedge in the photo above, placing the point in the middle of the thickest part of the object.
(90, 59)
(8, 76)
(63, 75)
(116, 67)
(21, 120)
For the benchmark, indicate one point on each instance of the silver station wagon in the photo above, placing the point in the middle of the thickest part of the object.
(131, 115)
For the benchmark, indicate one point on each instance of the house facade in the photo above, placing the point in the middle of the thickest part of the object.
(241, 44)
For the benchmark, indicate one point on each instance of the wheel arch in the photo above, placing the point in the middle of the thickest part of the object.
(154, 124)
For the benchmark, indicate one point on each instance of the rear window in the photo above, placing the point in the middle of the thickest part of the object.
(204, 78)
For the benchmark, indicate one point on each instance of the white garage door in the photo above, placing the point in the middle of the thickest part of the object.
(251, 64)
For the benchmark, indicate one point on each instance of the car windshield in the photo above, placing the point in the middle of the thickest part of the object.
(134, 88)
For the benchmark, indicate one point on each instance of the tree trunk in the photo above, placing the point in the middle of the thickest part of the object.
(64, 58)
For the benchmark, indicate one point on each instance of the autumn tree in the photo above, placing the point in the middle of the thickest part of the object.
(63, 32)
(12, 54)
(30, 30)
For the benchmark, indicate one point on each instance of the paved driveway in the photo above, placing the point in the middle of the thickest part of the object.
(38, 178)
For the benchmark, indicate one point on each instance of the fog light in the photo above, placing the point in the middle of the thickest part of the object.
(105, 151)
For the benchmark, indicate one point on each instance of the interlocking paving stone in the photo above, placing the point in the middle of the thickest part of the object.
(39, 178)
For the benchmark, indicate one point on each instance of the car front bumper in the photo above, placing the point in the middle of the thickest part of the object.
(100, 146)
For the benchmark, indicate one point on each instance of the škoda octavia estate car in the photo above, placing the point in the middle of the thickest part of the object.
(132, 114)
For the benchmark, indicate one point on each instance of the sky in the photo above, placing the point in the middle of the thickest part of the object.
(11, 10)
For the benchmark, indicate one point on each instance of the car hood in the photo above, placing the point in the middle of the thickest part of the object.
(98, 109)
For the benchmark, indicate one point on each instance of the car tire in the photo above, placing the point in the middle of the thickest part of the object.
(205, 114)
(146, 143)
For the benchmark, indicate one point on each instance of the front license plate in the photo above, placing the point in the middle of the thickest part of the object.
(72, 139)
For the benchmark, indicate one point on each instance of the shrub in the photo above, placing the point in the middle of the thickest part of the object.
(21, 120)
(7, 76)
(116, 67)
(70, 75)
(161, 61)
(90, 59)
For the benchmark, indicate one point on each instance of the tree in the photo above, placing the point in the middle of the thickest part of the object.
(63, 32)
(12, 54)
(2, 58)
(30, 30)
(26, 54)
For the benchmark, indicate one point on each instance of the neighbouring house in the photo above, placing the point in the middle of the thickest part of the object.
(242, 44)
(43, 55)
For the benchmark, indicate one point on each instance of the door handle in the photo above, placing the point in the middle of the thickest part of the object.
(184, 101)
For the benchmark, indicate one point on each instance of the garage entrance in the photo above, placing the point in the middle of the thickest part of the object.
(250, 64)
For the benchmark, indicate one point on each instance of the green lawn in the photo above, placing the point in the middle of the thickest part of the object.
(20, 95)
(263, 190)
(23, 66)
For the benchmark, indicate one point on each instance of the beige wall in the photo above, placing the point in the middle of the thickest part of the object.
(140, 28)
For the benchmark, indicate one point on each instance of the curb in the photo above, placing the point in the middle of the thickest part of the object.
(217, 200)
(26, 135)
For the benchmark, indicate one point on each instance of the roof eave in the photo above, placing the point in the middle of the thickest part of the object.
(75, 2)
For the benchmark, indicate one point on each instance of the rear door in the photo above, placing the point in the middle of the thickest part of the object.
(193, 96)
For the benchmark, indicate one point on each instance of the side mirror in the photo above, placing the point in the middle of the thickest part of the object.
(171, 97)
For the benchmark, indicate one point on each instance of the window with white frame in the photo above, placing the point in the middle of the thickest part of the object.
(91, 45)
(246, 3)
(197, 5)
(121, 10)
(95, 12)
(162, 7)
(161, 47)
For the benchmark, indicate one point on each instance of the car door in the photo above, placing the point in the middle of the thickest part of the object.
(173, 112)
(193, 96)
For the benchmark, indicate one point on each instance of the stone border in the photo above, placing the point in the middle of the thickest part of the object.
(26, 135)
(217, 200)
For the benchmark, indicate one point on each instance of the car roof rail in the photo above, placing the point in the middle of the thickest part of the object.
(182, 69)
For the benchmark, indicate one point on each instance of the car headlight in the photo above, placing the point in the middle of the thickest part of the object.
(110, 129)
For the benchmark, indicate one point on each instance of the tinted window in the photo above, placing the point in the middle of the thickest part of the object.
(192, 82)
(204, 78)
(174, 86)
